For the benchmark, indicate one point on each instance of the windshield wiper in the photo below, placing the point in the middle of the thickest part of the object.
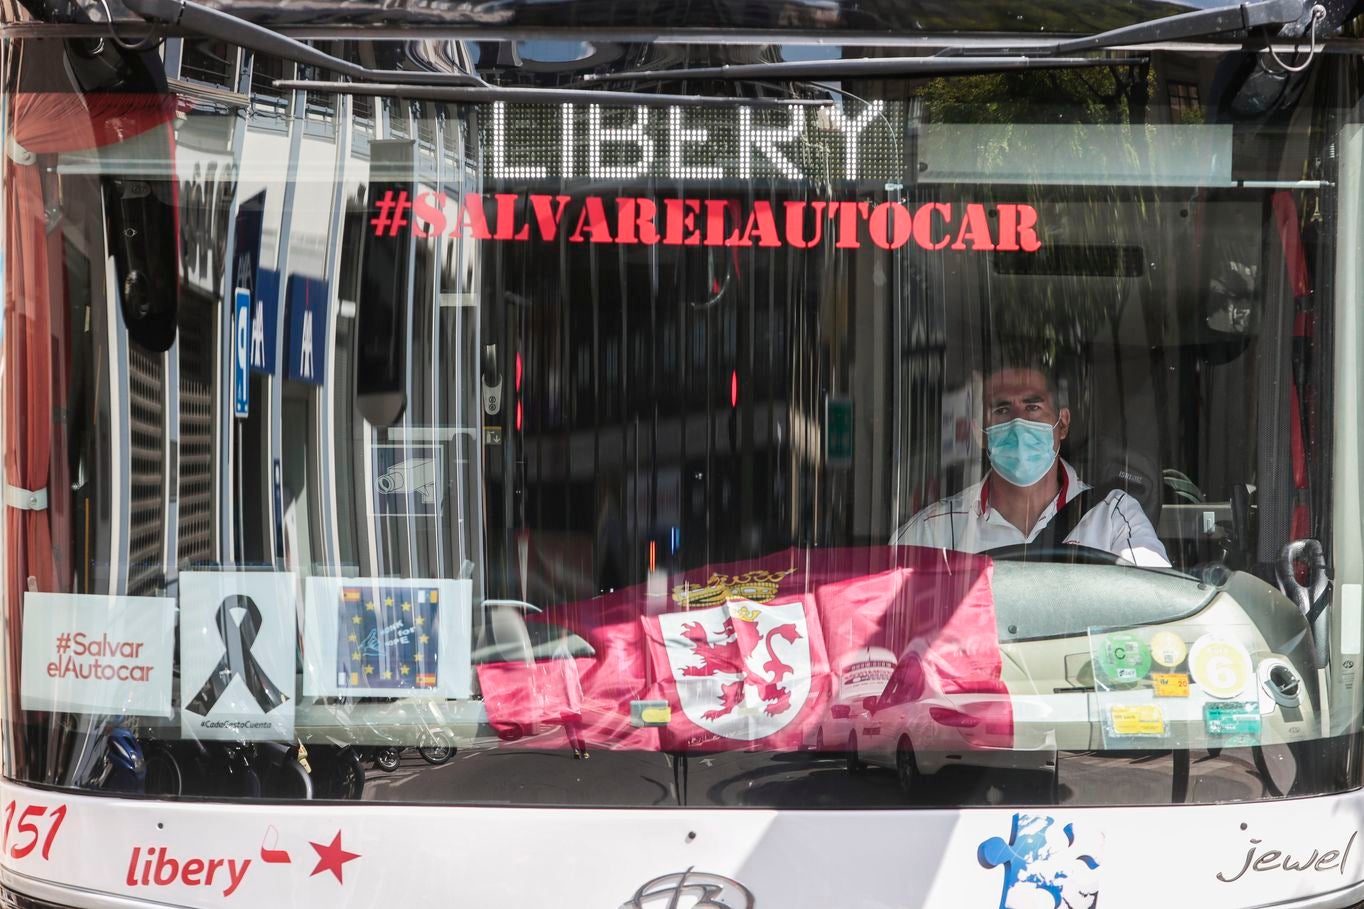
(864, 66)
(983, 58)
(435, 86)
(483, 93)
(1201, 23)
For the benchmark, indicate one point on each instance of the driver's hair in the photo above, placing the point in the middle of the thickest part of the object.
(1056, 386)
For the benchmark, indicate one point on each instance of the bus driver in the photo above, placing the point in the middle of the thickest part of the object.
(1028, 485)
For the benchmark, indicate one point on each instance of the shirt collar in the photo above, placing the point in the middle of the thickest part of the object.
(1062, 494)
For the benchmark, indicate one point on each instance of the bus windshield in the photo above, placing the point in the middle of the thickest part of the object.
(956, 440)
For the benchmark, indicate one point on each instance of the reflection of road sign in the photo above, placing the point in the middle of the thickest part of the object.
(409, 480)
(263, 322)
(838, 430)
(957, 446)
(259, 290)
(246, 241)
(241, 344)
(277, 483)
(307, 339)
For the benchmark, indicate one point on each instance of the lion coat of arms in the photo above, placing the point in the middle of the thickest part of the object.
(742, 670)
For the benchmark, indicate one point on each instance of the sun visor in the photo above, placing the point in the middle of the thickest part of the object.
(1076, 154)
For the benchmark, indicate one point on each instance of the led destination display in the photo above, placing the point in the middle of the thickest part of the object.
(853, 141)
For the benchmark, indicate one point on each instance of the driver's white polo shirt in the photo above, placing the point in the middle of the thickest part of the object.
(966, 522)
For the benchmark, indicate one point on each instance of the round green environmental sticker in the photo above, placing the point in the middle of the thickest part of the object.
(1122, 659)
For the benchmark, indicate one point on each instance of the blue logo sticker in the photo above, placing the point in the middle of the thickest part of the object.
(1045, 864)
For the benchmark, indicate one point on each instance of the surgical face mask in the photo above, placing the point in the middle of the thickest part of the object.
(1021, 451)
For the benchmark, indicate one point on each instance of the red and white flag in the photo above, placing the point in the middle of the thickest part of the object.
(575, 701)
(739, 676)
(744, 660)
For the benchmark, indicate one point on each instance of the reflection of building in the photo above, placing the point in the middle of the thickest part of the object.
(634, 392)
(195, 534)
(170, 476)
(147, 463)
(204, 162)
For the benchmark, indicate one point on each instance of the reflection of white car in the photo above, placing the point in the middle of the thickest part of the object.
(860, 675)
(510, 632)
(921, 723)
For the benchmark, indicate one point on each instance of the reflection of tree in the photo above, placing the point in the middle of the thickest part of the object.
(1062, 315)
(1058, 320)
(1100, 95)
(1079, 17)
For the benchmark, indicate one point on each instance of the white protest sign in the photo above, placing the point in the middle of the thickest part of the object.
(97, 654)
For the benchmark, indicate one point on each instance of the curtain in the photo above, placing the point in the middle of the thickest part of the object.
(42, 124)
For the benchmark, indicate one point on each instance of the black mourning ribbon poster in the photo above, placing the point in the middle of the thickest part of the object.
(237, 661)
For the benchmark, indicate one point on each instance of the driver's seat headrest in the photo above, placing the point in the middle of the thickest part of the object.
(1134, 472)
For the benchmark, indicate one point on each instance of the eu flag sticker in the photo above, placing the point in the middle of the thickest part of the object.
(388, 637)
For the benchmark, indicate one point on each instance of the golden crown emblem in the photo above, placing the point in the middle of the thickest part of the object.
(758, 585)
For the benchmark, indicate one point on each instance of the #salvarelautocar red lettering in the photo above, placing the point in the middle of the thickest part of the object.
(648, 221)
(747, 654)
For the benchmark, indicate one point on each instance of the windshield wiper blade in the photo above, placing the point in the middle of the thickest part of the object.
(1179, 27)
(987, 58)
(863, 66)
(478, 94)
(436, 86)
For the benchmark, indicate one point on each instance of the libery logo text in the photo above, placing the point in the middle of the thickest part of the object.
(154, 866)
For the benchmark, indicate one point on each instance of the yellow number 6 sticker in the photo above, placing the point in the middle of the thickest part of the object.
(1221, 667)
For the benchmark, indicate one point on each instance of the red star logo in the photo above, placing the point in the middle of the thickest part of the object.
(331, 857)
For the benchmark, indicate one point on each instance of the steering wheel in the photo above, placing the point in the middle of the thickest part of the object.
(1066, 552)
